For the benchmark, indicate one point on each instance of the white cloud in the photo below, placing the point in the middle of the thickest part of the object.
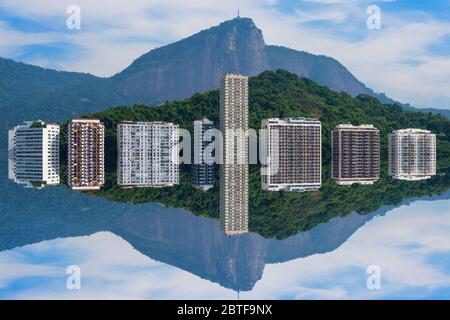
(400, 243)
(329, 1)
(396, 61)
(335, 16)
(110, 269)
(12, 42)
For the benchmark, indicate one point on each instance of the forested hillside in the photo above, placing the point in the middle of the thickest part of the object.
(283, 94)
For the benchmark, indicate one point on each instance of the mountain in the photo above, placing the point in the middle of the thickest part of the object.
(197, 63)
(323, 70)
(175, 71)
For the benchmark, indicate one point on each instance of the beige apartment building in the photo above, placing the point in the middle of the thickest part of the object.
(355, 154)
(234, 173)
(86, 154)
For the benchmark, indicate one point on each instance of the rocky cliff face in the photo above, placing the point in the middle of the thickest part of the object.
(197, 63)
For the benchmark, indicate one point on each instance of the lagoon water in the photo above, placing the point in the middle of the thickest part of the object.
(152, 252)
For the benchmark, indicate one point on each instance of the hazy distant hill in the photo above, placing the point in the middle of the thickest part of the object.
(28, 92)
(19, 80)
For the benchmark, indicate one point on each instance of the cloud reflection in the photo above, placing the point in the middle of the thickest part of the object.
(411, 244)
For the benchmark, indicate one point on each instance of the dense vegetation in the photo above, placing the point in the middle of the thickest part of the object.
(282, 94)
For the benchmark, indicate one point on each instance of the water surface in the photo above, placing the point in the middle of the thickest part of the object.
(153, 252)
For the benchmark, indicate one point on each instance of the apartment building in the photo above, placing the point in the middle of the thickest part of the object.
(412, 154)
(355, 154)
(203, 167)
(86, 154)
(147, 154)
(234, 172)
(292, 158)
(33, 154)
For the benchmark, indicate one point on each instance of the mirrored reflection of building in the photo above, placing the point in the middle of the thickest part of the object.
(355, 154)
(147, 154)
(86, 154)
(412, 154)
(33, 158)
(203, 167)
(234, 173)
(293, 154)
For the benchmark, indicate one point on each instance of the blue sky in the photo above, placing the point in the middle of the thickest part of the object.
(408, 58)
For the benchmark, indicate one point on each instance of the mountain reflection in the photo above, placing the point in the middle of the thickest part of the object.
(172, 236)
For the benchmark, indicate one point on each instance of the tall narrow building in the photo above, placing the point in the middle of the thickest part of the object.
(202, 168)
(234, 173)
(86, 154)
(147, 154)
(355, 152)
(292, 154)
(33, 158)
(412, 154)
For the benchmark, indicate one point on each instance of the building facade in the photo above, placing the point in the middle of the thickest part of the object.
(234, 173)
(355, 153)
(412, 154)
(33, 154)
(203, 167)
(147, 154)
(86, 154)
(292, 154)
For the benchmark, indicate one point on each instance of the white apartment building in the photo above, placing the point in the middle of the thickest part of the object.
(234, 173)
(412, 154)
(33, 154)
(147, 154)
(292, 158)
